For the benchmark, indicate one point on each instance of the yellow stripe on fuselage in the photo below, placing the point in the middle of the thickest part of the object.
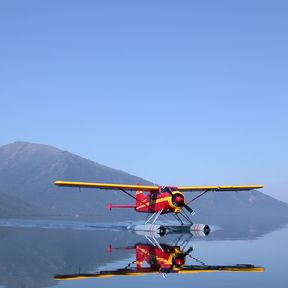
(154, 202)
(158, 258)
(160, 200)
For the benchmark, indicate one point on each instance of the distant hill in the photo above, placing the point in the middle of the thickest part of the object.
(13, 207)
(27, 173)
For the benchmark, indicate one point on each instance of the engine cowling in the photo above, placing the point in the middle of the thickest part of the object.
(178, 199)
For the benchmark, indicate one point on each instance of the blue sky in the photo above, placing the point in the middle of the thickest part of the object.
(177, 92)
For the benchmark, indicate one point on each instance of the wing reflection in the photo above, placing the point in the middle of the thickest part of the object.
(154, 257)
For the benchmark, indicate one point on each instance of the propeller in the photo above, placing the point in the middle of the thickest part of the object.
(178, 200)
(189, 209)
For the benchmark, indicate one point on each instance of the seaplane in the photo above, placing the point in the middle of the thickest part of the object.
(159, 200)
(163, 259)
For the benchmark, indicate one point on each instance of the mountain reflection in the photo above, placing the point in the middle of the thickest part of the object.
(32, 256)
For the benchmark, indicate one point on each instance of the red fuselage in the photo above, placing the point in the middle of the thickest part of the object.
(168, 258)
(150, 202)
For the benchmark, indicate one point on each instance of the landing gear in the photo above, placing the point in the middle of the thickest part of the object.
(184, 216)
(178, 218)
(155, 215)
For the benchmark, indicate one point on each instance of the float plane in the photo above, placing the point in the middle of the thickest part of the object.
(159, 200)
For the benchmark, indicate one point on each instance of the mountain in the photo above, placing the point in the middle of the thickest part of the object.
(13, 207)
(27, 173)
(31, 256)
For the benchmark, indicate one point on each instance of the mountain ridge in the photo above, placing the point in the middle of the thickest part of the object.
(28, 171)
(13, 207)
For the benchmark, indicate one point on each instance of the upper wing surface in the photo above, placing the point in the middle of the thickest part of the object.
(219, 188)
(110, 186)
(107, 186)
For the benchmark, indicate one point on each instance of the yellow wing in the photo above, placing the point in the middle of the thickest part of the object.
(185, 270)
(219, 188)
(110, 186)
(107, 186)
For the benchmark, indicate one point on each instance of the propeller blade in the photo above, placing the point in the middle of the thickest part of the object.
(189, 209)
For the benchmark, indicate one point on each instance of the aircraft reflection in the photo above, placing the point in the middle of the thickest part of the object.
(153, 257)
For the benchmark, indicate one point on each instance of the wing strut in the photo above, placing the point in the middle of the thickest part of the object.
(197, 197)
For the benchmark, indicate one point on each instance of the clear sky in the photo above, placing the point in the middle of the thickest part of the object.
(177, 92)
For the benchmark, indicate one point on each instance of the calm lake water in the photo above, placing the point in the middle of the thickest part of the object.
(34, 253)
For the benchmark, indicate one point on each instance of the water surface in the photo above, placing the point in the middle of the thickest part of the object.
(34, 252)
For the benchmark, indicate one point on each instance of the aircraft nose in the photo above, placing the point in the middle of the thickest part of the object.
(179, 200)
(179, 261)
